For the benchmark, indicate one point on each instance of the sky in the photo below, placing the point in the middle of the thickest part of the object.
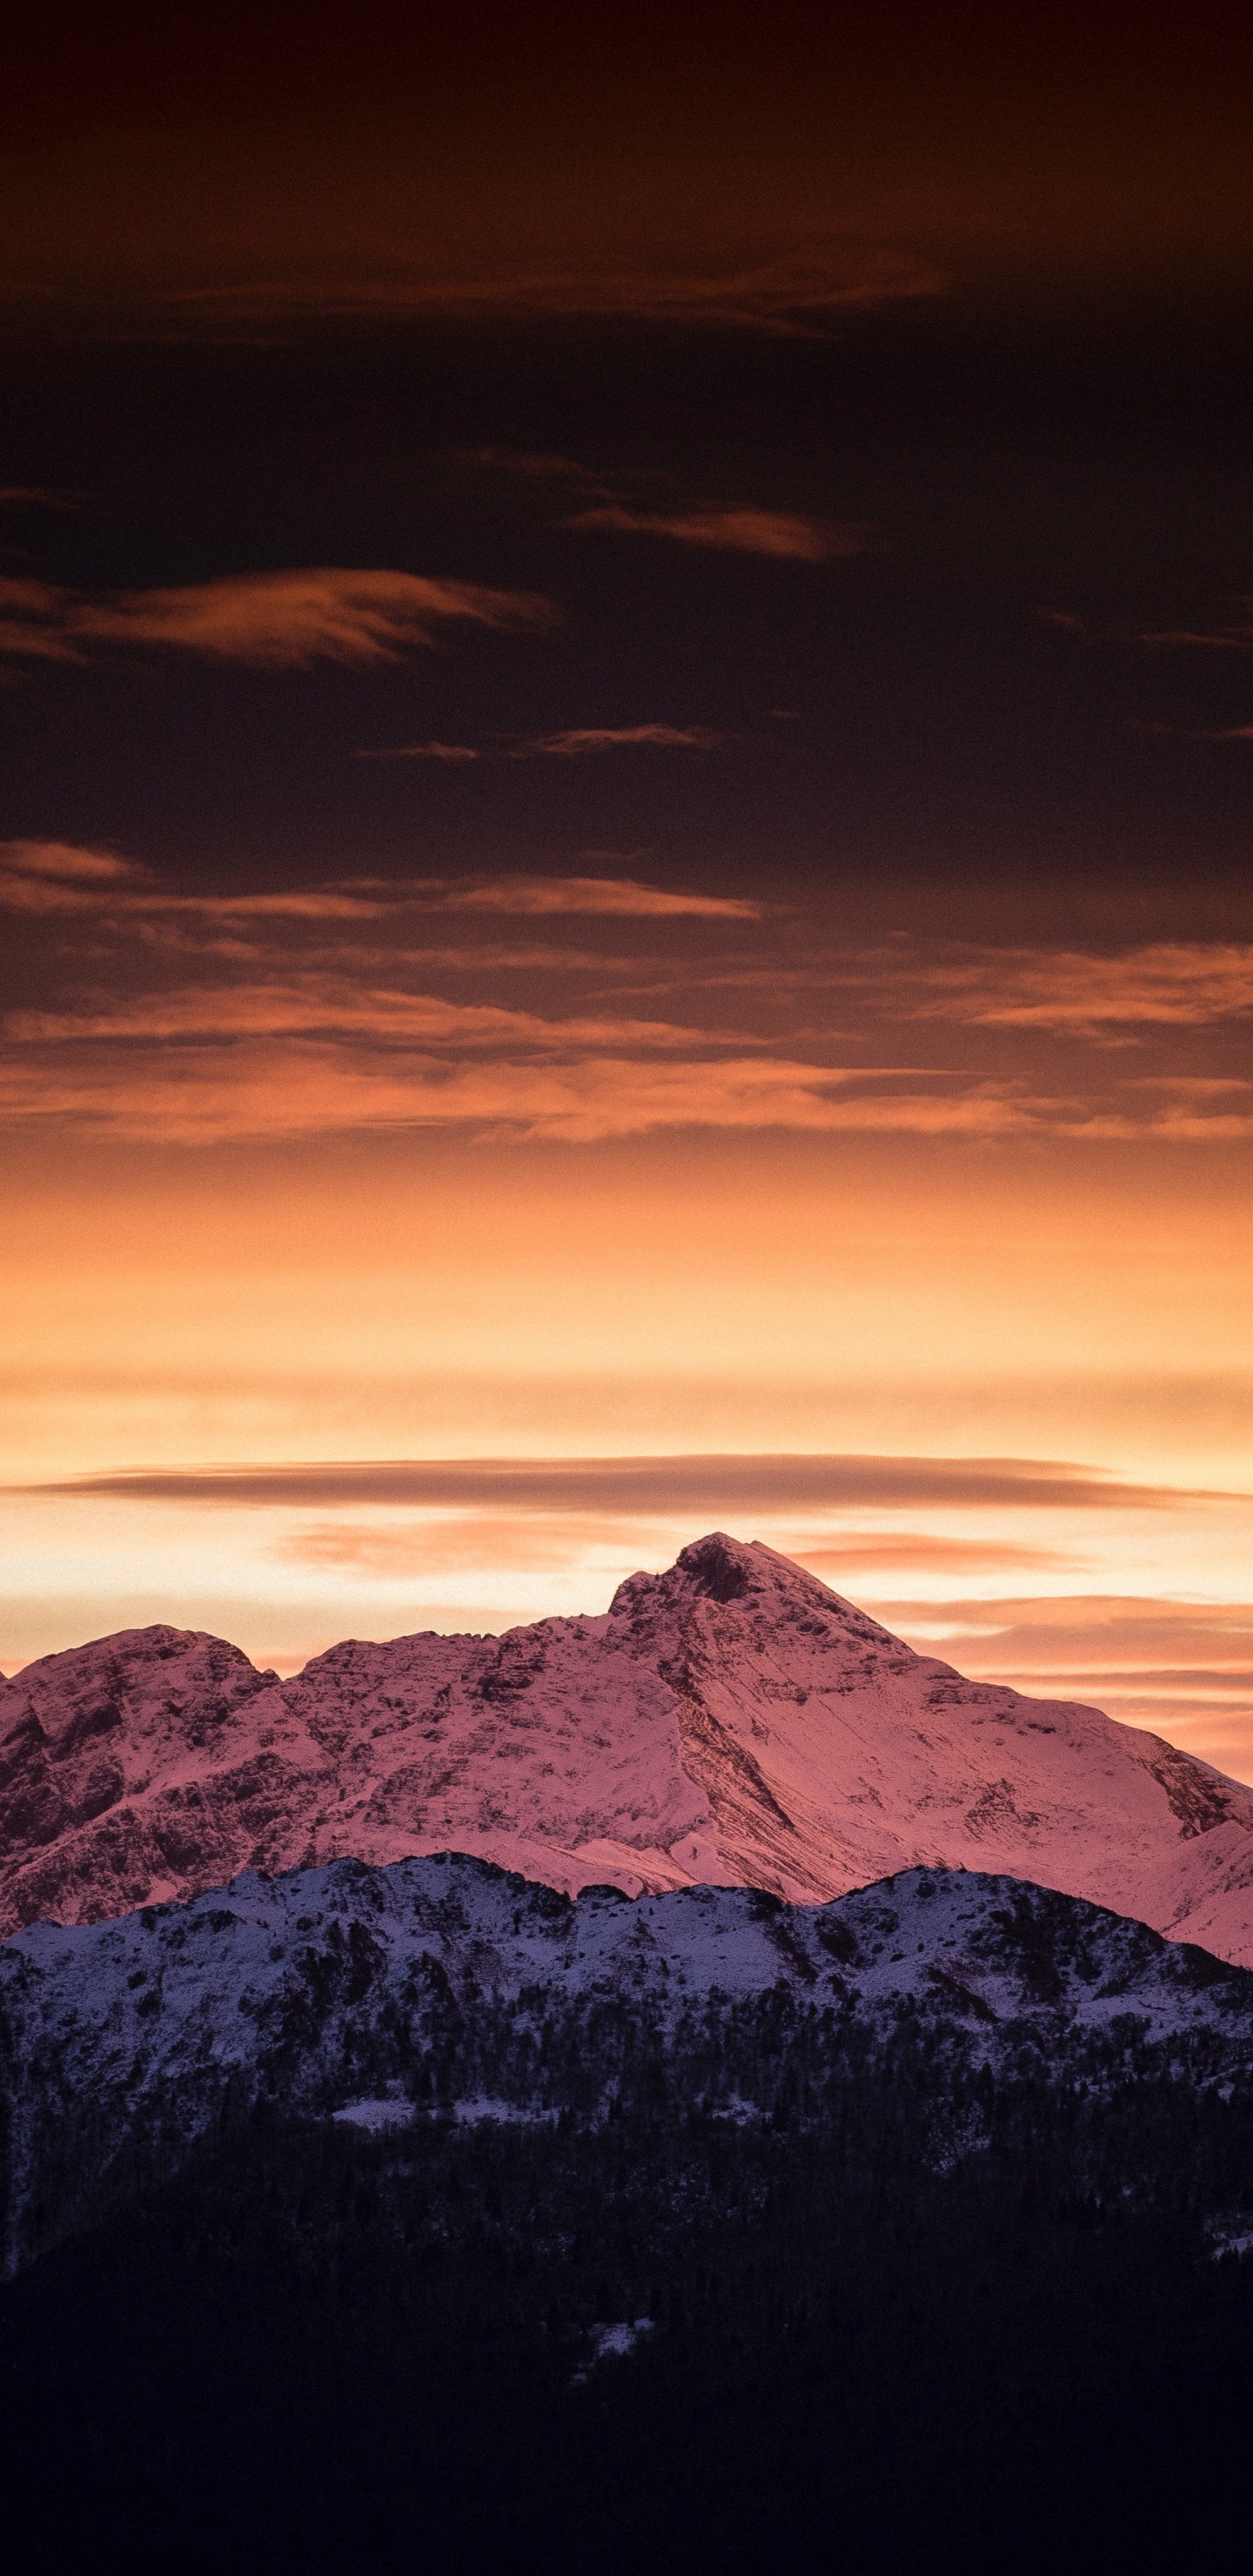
(626, 718)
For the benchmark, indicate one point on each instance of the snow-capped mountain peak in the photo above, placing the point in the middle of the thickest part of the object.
(729, 1721)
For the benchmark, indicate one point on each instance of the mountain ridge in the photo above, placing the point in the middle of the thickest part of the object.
(730, 1721)
(448, 1988)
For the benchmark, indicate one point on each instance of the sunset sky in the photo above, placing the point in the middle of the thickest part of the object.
(626, 687)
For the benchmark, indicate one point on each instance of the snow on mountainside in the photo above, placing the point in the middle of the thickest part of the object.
(731, 1721)
(448, 1987)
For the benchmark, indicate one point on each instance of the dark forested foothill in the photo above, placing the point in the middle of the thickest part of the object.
(867, 2346)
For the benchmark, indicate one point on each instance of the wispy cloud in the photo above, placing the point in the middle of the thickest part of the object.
(475, 1542)
(577, 740)
(207, 1017)
(1168, 983)
(786, 293)
(625, 897)
(839, 1557)
(279, 621)
(572, 742)
(1180, 1666)
(686, 1485)
(56, 875)
(565, 1090)
(1235, 637)
(450, 752)
(610, 499)
(313, 1003)
(36, 496)
(779, 533)
(470, 1543)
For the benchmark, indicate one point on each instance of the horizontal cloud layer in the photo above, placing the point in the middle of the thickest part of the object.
(1168, 982)
(573, 742)
(309, 1010)
(278, 621)
(665, 1485)
(474, 1542)
(783, 293)
(300, 1088)
(43, 875)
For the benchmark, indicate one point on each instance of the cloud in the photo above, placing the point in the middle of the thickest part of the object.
(786, 294)
(471, 1543)
(625, 897)
(573, 743)
(1182, 1667)
(443, 751)
(323, 1003)
(1169, 983)
(33, 625)
(46, 875)
(278, 621)
(564, 1089)
(577, 740)
(705, 1486)
(607, 503)
(1213, 639)
(746, 532)
(35, 496)
(835, 1557)
(300, 1013)
(56, 876)
(320, 1053)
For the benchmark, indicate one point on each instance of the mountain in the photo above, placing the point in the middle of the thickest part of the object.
(731, 1721)
(449, 1988)
(361, 2212)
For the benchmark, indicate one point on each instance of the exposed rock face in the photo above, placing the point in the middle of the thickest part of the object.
(731, 1721)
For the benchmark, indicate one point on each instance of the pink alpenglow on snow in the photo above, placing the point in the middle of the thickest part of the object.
(730, 1722)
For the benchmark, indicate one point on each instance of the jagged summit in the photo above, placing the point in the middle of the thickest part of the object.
(724, 1569)
(730, 1721)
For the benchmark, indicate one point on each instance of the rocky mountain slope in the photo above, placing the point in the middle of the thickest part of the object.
(730, 1721)
(448, 1987)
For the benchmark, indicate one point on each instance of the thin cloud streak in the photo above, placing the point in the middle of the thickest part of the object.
(624, 897)
(573, 742)
(578, 740)
(1214, 639)
(276, 621)
(53, 875)
(834, 1557)
(1168, 983)
(322, 1003)
(1180, 1667)
(784, 295)
(452, 752)
(202, 1095)
(776, 533)
(656, 1486)
(474, 1543)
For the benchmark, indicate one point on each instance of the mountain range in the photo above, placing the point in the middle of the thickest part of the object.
(729, 1722)
(668, 2087)
(448, 1989)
